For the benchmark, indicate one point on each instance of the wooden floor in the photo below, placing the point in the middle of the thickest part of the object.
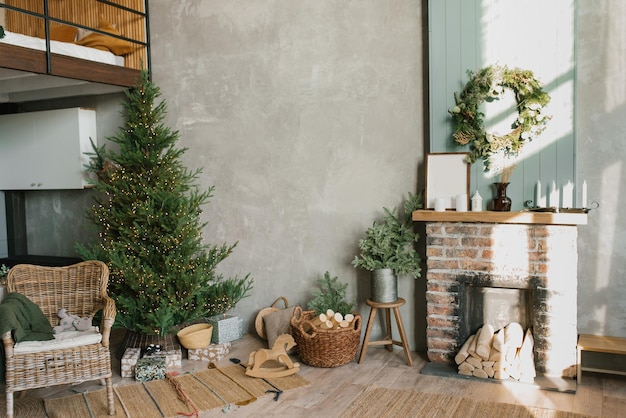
(331, 390)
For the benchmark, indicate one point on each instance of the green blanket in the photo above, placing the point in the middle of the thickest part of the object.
(26, 321)
(24, 318)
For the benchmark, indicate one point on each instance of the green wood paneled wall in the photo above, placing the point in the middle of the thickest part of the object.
(534, 35)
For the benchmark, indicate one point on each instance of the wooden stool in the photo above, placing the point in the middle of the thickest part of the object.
(388, 341)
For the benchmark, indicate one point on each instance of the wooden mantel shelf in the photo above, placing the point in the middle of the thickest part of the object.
(541, 218)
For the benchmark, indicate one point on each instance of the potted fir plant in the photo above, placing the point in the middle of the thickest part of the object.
(388, 250)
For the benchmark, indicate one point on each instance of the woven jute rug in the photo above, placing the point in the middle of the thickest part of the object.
(23, 406)
(381, 402)
(225, 388)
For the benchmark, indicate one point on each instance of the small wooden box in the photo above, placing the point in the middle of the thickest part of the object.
(214, 352)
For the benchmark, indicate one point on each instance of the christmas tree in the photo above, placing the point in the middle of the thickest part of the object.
(147, 211)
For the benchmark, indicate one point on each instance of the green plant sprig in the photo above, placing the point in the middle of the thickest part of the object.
(330, 294)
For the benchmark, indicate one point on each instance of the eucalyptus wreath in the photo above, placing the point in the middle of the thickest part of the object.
(487, 85)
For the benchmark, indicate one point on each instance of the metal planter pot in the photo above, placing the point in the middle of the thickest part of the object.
(384, 286)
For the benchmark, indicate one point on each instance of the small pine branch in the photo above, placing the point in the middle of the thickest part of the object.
(330, 294)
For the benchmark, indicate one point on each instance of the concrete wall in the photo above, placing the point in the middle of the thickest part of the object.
(308, 117)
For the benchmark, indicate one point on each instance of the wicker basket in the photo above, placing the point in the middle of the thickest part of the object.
(324, 347)
(258, 323)
(195, 336)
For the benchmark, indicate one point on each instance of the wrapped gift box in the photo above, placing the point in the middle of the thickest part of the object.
(129, 360)
(226, 328)
(150, 368)
(173, 358)
(214, 352)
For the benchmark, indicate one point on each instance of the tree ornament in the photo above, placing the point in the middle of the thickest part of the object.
(486, 85)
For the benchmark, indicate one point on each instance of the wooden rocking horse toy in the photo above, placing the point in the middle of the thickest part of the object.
(277, 354)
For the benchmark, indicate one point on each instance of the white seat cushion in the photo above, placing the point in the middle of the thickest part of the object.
(62, 340)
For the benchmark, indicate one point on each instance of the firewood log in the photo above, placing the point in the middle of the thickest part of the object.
(499, 366)
(501, 375)
(472, 347)
(474, 362)
(495, 355)
(483, 343)
(467, 368)
(510, 354)
(466, 372)
(480, 373)
(463, 353)
(513, 335)
(327, 325)
(526, 356)
(498, 340)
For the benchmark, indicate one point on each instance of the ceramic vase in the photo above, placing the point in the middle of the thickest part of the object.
(501, 203)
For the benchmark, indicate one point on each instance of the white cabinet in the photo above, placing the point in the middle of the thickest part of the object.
(46, 150)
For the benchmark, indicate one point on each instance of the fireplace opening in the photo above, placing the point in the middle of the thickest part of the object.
(485, 302)
(496, 338)
(496, 306)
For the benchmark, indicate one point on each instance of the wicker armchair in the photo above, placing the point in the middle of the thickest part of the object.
(82, 290)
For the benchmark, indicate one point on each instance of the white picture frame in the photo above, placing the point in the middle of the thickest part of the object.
(447, 176)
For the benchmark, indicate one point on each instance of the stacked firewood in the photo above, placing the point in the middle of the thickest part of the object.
(503, 354)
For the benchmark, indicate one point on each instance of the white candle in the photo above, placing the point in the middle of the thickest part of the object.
(554, 196)
(568, 195)
(538, 195)
(584, 199)
(461, 203)
(440, 204)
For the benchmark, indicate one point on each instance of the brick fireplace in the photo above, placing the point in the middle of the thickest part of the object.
(534, 254)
